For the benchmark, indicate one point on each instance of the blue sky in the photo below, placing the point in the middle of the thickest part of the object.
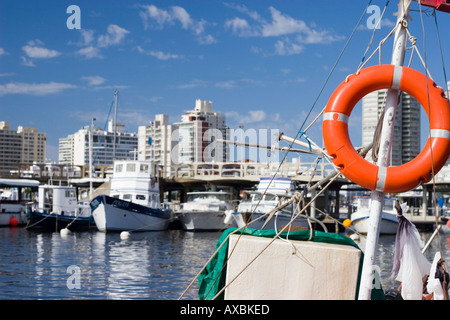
(261, 62)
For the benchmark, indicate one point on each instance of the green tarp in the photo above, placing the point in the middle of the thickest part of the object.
(212, 278)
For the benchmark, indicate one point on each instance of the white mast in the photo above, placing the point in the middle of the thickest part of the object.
(398, 56)
(116, 92)
(90, 157)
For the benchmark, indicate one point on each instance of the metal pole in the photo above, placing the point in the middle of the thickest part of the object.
(90, 157)
(398, 56)
(116, 92)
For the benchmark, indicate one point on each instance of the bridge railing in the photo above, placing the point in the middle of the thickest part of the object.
(248, 170)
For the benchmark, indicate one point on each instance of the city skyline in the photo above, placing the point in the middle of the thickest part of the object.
(262, 63)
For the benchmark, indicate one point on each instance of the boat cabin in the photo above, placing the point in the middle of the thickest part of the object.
(15, 193)
(58, 199)
(135, 181)
(208, 196)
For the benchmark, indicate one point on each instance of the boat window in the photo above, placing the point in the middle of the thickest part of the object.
(70, 194)
(127, 197)
(131, 167)
(140, 197)
(257, 197)
(144, 168)
(119, 167)
(270, 197)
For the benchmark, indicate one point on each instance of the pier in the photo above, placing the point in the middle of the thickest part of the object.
(241, 176)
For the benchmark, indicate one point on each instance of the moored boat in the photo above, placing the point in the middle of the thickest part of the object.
(360, 218)
(14, 196)
(133, 203)
(57, 208)
(270, 193)
(206, 211)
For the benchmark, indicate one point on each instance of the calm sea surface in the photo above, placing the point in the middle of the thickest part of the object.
(150, 265)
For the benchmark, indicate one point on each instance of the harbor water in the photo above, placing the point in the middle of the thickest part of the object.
(149, 265)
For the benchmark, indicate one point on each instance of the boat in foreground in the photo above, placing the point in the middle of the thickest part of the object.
(57, 208)
(360, 218)
(207, 211)
(133, 203)
(14, 196)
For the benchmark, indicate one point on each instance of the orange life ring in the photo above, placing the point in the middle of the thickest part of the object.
(391, 179)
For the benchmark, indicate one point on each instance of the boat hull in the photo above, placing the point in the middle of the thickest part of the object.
(52, 221)
(204, 220)
(6, 219)
(115, 215)
(388, 225)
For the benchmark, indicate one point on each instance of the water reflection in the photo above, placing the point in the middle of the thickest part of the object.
(150, 265)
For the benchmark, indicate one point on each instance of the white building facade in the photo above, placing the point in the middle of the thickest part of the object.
(406, 139)
(20, 147)
(199, 133)
(107, 146)
(156, 142)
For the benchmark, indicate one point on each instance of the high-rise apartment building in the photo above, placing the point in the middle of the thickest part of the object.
(157, 142)
(20, 147)
(406, 139)
(198, 135)
(107, 146)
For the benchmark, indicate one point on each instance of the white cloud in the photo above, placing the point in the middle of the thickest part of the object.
(88, 36)
(175, 14)
(159, 54)
(194, 84)
(240, 27)
(2, 52)
(287, 48)
(34, 49)
(280, 24)
(94, 80)
(251, 117)
(27, 62)
(114, 35)
(90, 52)
(36, 89)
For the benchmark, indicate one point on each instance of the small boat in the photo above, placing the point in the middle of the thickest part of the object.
(57, 208)
(14, 196)
(133, 203)
(207, 211)
(360, 218)
(270, 193)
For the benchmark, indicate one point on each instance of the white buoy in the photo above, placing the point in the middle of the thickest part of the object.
(124, 235)
(65, 232)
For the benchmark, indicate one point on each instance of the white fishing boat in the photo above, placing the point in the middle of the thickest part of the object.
(14, 196)
(360, 218)
(207, 211)
(133, 203)
(58, 207)
(270, 193)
